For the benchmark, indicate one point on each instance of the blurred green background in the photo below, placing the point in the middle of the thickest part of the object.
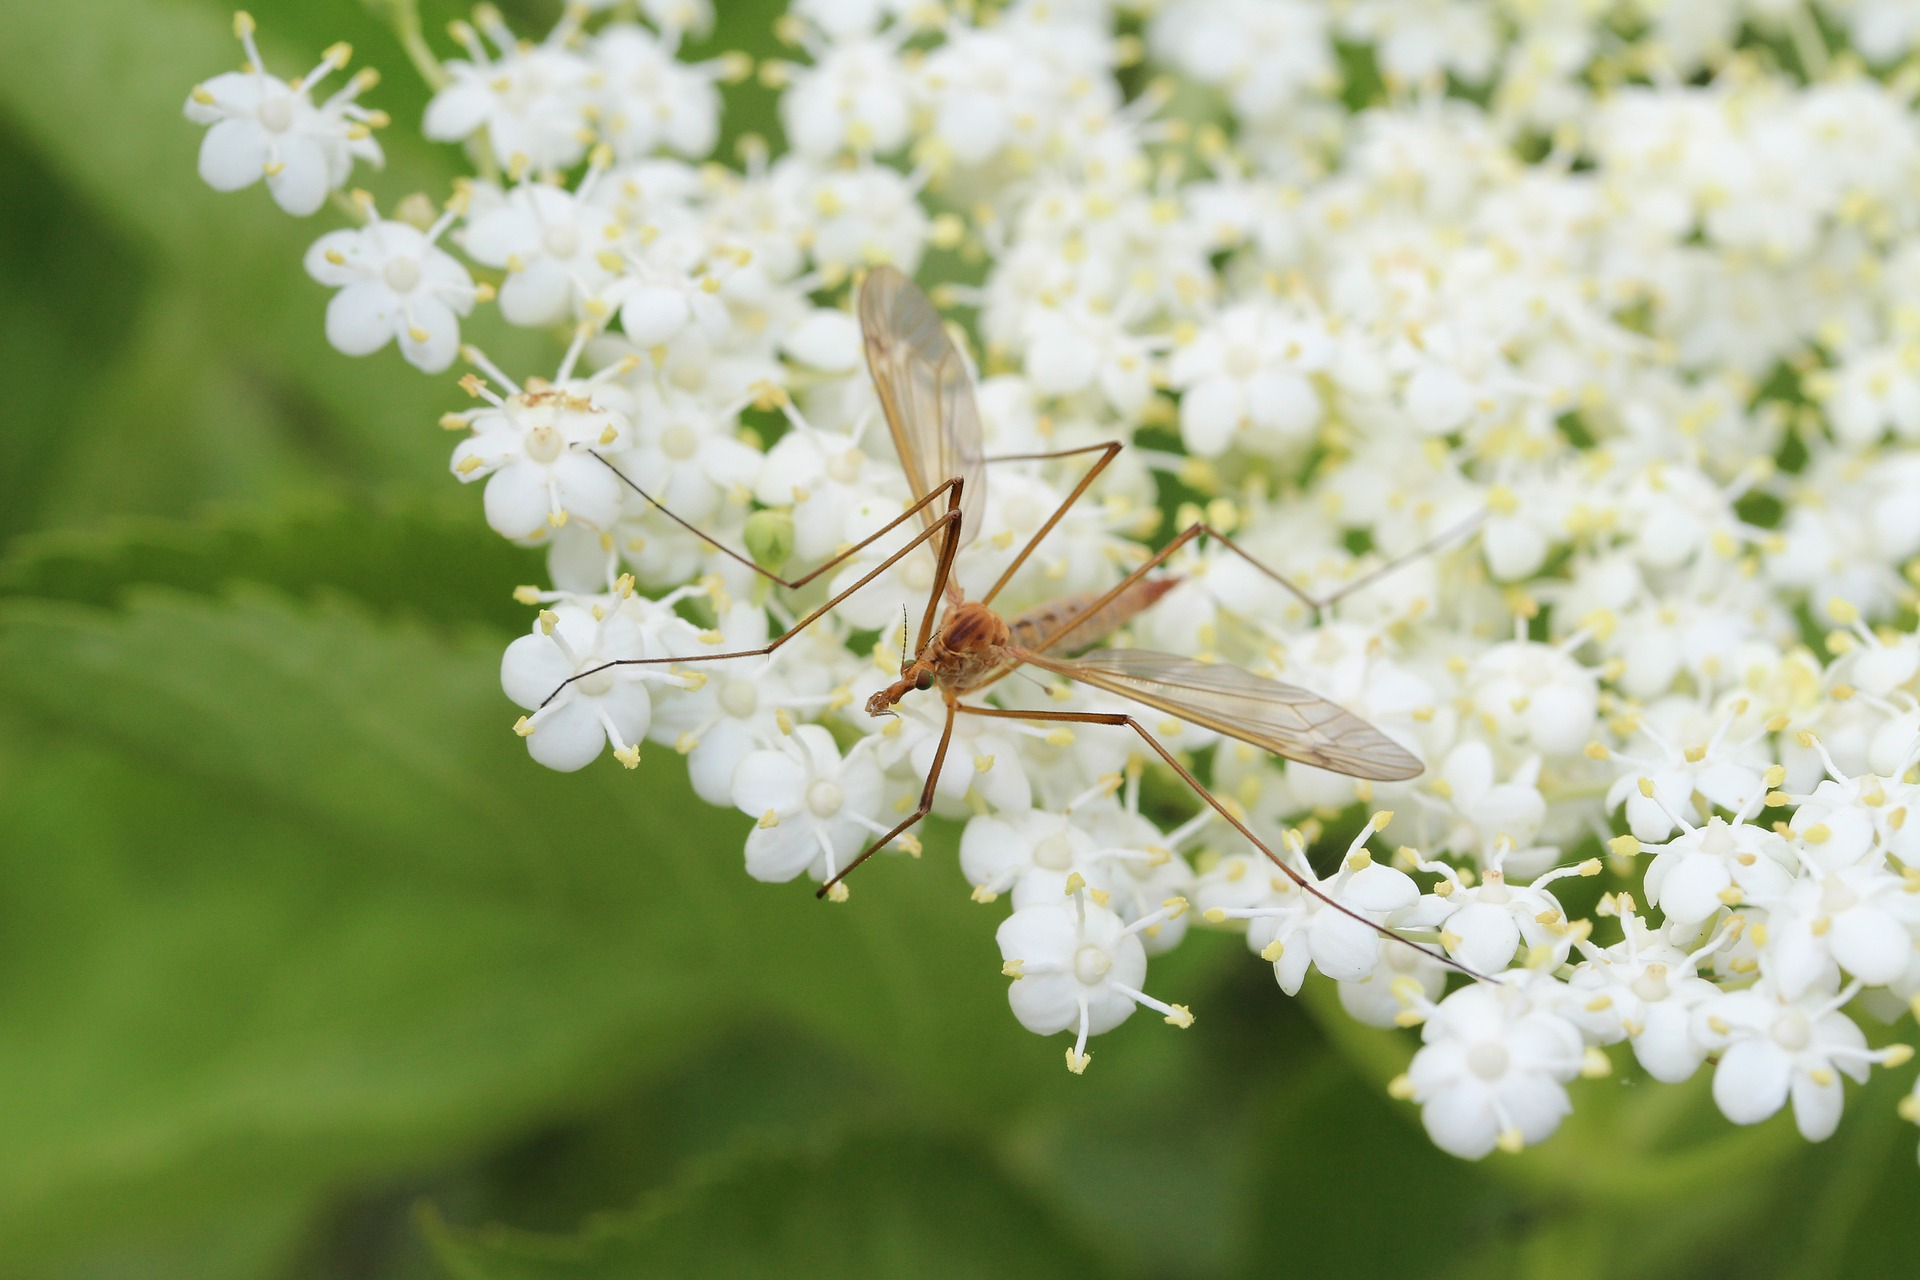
(306, 972)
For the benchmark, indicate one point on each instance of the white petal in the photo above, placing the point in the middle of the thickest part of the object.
(361, 318)
(1751, 1082)
(233, 154)
(769, 780)
(441, 343)
(301, 185)
(1816, 1107)
(536, 295)
(1870, 944)
(531, 669)
(569, 738)
(516, 500)
(1461, 1121)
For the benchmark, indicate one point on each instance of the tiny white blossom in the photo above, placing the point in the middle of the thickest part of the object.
(395, 285)
(262, 127)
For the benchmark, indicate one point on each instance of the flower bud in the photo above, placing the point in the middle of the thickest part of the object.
(770, 539)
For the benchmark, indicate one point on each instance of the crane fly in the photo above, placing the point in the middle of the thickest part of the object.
(926, 395)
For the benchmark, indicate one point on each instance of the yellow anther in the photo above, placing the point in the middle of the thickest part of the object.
(1806, 739)
(1818, 833)
(548, 621)
(1272, 952)
(837, 891)
(1100, 897)
(1015, 969)
(1775, 775)
(1181, 1016)
(1646, 787)
(628, 756)
(1731, 895)
(1842, 611)
(1077, 1062)
(1595, 1064)
(1778, 800)
(1598, 751)
(1625, 846)
(1718, 1025)
(1599, 1004)
(523, 726)
(982, 894)
(1400, 1088)
(1511, 1141)
(1897, 1055)
(768, 820)
(1060, 738)
(1075, 883)
(1214, 915)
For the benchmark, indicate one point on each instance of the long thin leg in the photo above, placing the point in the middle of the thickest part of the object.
(1193, 531)
(1108, 452)
(1213, 802)
(926, 807)
(932, 496)
(950, 519)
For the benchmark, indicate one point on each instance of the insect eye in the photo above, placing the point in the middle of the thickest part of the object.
(924, 680)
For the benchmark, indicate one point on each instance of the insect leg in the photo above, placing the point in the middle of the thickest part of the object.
(925, 807)
(1117, 719)
(1108, 452)
(950, 487)
(951, 518)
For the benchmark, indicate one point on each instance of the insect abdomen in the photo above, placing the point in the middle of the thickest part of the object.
(1037, 626)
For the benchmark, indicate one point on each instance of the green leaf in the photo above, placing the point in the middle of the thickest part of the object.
(432, 558)
(875, 1205)
(129, 156)
(299, 910)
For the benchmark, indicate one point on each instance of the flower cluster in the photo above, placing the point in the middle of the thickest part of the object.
(1633, 282)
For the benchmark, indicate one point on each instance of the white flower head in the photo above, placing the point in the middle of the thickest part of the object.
(263, 127)
(1077, 966)
(395, 285)
(1493, 1067)
(1772, 1049)
(813, 805)
(531, 99)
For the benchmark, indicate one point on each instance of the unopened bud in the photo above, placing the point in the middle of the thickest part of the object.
(770, 539)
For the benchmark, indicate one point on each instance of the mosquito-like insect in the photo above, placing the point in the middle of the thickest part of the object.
(927, 396)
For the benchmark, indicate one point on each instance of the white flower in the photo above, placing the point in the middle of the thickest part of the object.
(396, 285)
(1076, 965)
(649, 100)
(1492, 1069)
(535, 448)
(549, 240)
(686, 457)
(572, 722)
(1481, 925)
(1857, 919)
(812, 804)
(1719, 864)
(1772, 1049)
(744, 705)
(1537, 694)
(1643, 990)
(531, 98)
(1250, 369)
(263, 127)
(856, 97)
(1332, 930)
(1479, 813)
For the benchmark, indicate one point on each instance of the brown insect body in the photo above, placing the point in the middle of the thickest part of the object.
(975, 646)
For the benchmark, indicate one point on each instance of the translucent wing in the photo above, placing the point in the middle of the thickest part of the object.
(926, 393)
(1281, 718)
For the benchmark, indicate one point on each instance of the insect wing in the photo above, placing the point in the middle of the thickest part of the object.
(926, 393)
(1282, 718)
